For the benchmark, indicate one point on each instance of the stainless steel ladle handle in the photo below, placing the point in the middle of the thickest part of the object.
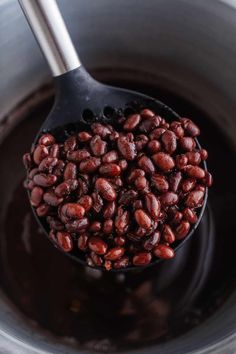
(48, 26)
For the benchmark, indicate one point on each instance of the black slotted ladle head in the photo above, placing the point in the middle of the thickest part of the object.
(80, 99)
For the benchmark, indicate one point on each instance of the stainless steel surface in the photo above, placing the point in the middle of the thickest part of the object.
(184, 44)
(50, 31)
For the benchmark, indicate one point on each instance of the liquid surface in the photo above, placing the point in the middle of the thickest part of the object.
(117, 311)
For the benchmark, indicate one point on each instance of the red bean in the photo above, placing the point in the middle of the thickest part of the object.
(43, 180)
(154, 146)
(149, 124)
(169, 141)
(123, 262)
(86, 202)
(132, 122)
(204, 154)
(47, 164)
(46, 139)
(70, 171)
(176, 127)
(114, 253)
(181, 161)
(164, 252)
(175, 180)
(168, 234)
(157, 133)
(42, 210)
(123, 164)
(182, 230)
(146, 113)
(191, 128)
(84, 137)
(194, 199)
(119, 240)
(142, 258)
(134, 174)
(77, 155)
(105, 189)
(108, 226)
(146, 164)
(36, 196)
(153, 205)
(54, 150)
(121, 221)
(97, 202)
(127, 148)
(51, 199)
(164, 161)
(207, 180)
(70, 144)
(40, 153)
(129, 196)
(169, 198)
(98, 146)
(64, 241)
(187, 143)
(194, 157)
(109, 210)
(101, 130)
(194, 171)
(66, 187)
(73, 211)
(110, 157)
(190, 215)
(160, 182)
(110, 170)
(188, 184)
(77, 225)
(82, 242)
(97, 245)
(142, 219)
(96, 226)
(152, 241)
(175, 216)
(141, 183)
(141, 141)
(90, 165)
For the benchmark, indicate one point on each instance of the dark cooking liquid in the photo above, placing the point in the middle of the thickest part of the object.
(117, 311)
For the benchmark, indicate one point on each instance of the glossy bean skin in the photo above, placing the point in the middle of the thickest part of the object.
(153, 205)
(127, 148)
(142, 259)
(142, 219)
(36, 196)
(164, 252)
(169, 141)
(164, 161)
(182, 230)
(114, 253)
(64, 241)
(168, 234)
(97, 245)
(132, 121)
(106, 189)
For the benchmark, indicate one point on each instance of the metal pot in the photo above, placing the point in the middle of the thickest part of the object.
(184, 44)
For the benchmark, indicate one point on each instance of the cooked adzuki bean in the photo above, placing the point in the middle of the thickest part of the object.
(164, 251)
(64, 241)
(121, 195)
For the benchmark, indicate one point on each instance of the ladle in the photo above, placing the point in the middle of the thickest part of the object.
(79, 97)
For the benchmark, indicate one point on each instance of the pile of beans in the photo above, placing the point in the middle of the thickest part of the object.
(120, 196)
